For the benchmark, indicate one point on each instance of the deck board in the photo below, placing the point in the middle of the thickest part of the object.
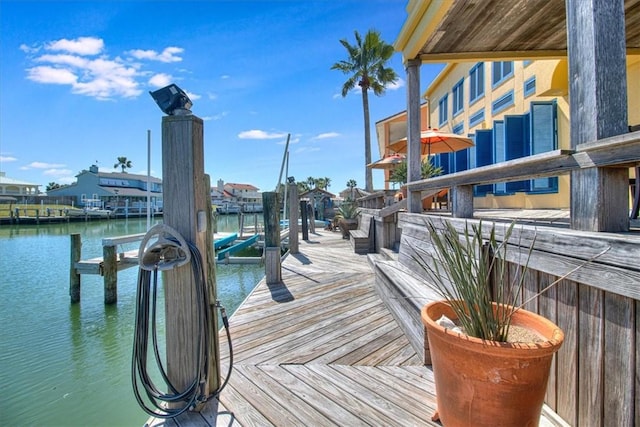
(319, 349)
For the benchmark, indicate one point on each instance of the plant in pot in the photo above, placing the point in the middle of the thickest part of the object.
(399, 173)
(347, 217)
(490, 357)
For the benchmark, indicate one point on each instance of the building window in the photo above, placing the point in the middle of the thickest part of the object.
(458, 97)
(477, 117)
(530, 86)
(500, 104)
(443, 112)
(476, 82)
(501, 71)
(458, 129)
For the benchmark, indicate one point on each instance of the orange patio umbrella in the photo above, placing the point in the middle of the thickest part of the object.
(388, 162)
(434, 142)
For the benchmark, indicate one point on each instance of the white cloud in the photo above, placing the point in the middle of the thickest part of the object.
(51, 75)
(398, 84)
(326, 135)
(43, 165)
(58, 173)
(160, 80)
(219, 116)
(260, 134)
(192, 96)
(80, 46)
(7, 159)
(102, 77)
(169, 54)
(29, 49)
(225, 76)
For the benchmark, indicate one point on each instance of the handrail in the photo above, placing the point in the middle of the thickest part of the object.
(621, 150)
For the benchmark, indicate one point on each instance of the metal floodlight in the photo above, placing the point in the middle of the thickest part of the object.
(172, 100)
(291, 180)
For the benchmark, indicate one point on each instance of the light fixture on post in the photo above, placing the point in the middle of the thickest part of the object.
(291, 179)
(172, 100)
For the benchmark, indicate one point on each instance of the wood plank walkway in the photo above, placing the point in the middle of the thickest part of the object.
(319, 349)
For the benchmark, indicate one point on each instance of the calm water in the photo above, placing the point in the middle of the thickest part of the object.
(69, 365)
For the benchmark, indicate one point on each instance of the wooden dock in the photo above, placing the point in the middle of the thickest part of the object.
(319, 349)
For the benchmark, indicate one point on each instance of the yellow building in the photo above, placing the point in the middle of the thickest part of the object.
(510, 109)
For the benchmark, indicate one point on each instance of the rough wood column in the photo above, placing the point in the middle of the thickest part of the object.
(271, 212)
(74, 276)
(185, 195)
(293, 217)
(598, 102)
(414, 202)
(305, 226)
(462, 203)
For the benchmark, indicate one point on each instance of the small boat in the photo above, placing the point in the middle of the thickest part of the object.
(92, 208)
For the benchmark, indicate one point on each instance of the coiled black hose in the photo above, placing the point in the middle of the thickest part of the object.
(173, 403)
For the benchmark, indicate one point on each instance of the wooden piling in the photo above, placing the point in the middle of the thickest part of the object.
(185, 196)
(271, 212)
(293, 218)
(74, 276)
(305, 226)
(110, 272)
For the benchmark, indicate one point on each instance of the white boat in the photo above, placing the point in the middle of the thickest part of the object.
(92, 208)
(92, 212)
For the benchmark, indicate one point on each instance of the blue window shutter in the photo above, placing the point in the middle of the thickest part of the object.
(442, 160)
(483, 157)
(461, 160)
(516, 131)
(544, 137)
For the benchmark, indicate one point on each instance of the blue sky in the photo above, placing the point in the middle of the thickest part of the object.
(75, 78)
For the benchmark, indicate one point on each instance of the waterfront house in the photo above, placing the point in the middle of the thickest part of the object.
(510, 109)
(16, 188)
(237, 197)
(114, 190)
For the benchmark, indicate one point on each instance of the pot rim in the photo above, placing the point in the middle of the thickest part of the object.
(552, 336)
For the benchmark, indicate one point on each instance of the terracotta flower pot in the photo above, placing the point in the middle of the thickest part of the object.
(489, 383)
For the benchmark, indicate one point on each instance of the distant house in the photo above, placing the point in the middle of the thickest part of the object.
(111, 189)
(15, 188)
(321, 200)
(233, 197)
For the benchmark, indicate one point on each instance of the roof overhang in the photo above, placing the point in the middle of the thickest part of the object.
(494, 30)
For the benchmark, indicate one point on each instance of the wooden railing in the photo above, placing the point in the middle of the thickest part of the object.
(619, 151)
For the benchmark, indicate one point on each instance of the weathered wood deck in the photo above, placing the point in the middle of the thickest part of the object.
(319, 349)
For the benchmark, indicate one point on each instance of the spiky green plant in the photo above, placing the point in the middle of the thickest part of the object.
(470, 273)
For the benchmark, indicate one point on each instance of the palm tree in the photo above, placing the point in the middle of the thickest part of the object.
(327, 183)
(366, 65)
(352, 184)
(123, 163)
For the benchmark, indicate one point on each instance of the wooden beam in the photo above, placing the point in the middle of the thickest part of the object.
(414, 203)
(598, 109)
(185, 210)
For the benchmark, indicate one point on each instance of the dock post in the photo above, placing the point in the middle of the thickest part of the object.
(293, 218)
(273, 272)
(74, 276)
(305, 226)
(187, 209)
(110, 271)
